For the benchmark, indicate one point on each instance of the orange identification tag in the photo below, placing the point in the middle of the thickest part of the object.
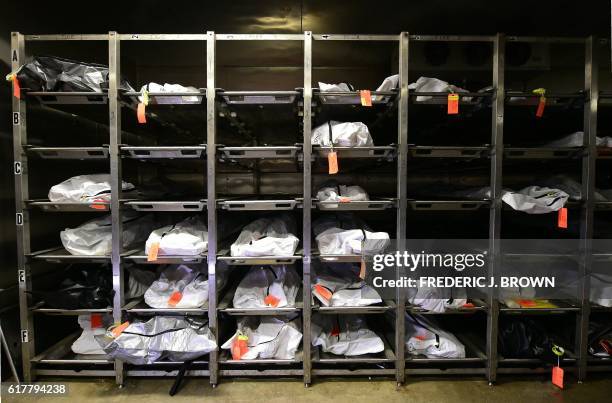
(96, 320)
(119, 329)
(239, 347)
(468, 305)
(557, 377)
(16, 87)
(323, 292)
(335, 331)
(332, 161)
(453, 104)
(271, 300)
(95, 206)
(343, 199)
(175, 298)
(140, 113)
(366, 97)
(562, 220)
(362, 269)
(153, 252)
(420, 337)
(541, 105)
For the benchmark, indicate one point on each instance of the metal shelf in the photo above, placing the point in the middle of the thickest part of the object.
(153, 97)
(40, 308)
(58, 255)
(352, 97)
(260, 152)
(603, 206)
(225, 358)
(543, 152)
(604, 153)
(448, 205)
(163, 152)
(61, 354)
(381, 204)
(537, 257)
(150, 205)
(258, 205)
(141, 257)
(139, 307)
(441, 98)
(562, 307)
(257, 260)
(448, 152)
(49, 206)
(478, 306)
(69, 98)
(385, 306)
(335, 258)
(258, 97)
(69, 153)
(379, 152)
(301, 104)
(552, 99)
(602, 257)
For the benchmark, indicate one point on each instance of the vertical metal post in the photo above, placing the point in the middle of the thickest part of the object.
(497, 148)
(402, 203)
(114, 117)
(22, 216)
(307, 211)
(588, 189)
(211, 161)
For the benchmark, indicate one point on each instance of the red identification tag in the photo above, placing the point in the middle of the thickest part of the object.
(557, 377)
(343, 199)
(332, 161)
(420, 337)
(453, 104)
(468, 305)
(140, 113)
(96, 320)
(16, 87)
(175, 298)
(366, 97)
(153, 252)
(562, 220)
(119, 329)
(541, 105)
(271, 300)
(323, 292)
(335, 331)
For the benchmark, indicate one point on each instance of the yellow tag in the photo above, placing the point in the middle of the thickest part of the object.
(145, 97)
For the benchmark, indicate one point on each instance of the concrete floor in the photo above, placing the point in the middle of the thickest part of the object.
(430, 390)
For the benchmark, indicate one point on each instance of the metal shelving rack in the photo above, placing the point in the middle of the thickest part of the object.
(58, 356)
